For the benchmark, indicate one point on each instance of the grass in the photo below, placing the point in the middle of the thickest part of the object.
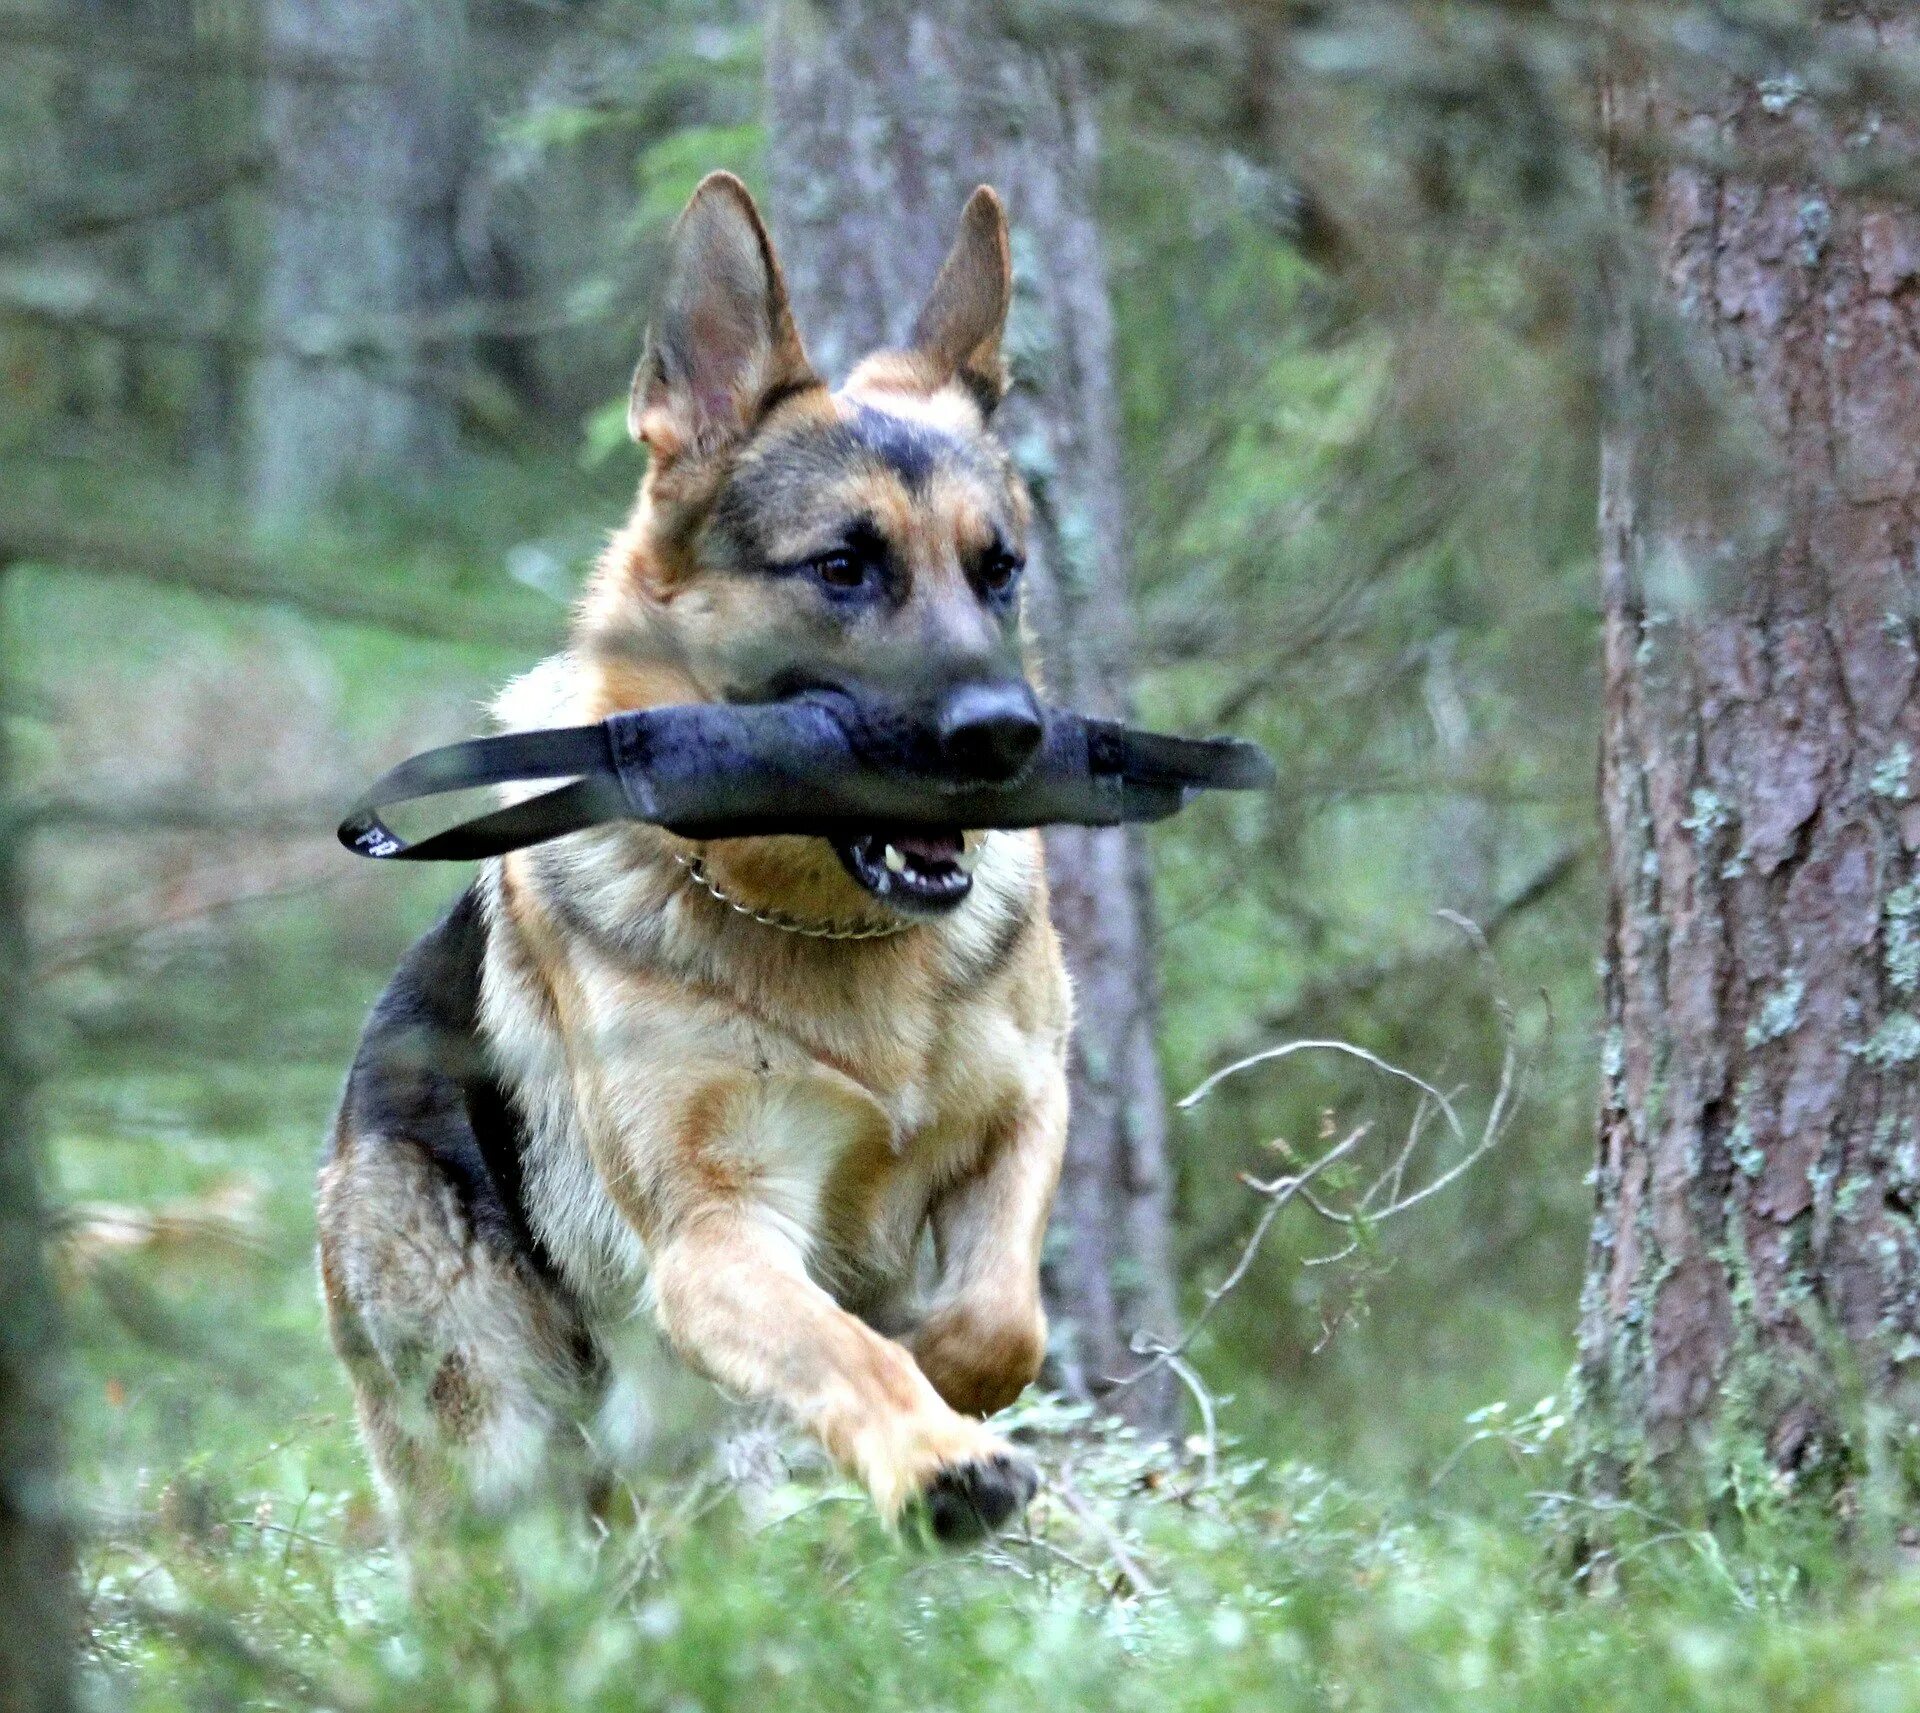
(234, 1555)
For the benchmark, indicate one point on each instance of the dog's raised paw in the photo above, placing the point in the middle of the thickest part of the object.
(968, 1501)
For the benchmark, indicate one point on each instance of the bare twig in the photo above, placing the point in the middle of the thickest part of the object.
(1387, 1194)
(205, 1632)
(1202, 1396)
(155, 51)
(75, 303)
(1137, 1579)
(71, 222)
(178, 812)
(1092, 1572)
(1353, 983)
(1277, 1193)
(144, 916)
(1287, 1049)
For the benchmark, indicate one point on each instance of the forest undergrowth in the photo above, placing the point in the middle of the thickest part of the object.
(235, 1555)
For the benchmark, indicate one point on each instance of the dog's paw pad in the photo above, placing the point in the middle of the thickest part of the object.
(968, 1501)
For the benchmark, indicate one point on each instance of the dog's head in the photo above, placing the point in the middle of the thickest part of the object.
(788, 538)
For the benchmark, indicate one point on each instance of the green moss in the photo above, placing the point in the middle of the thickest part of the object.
(1613, 1054)
(1822, 1175)
(1857, 1188)
(1816, 225)
(1779, 93)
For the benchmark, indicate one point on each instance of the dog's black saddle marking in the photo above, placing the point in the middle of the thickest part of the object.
(421, 1079)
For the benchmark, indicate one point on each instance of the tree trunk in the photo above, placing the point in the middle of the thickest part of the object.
(1754, 1281)
(132, 139)
(365, 131)
(884, 115)
(36, 1603)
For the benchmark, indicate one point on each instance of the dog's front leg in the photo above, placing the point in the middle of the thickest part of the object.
(734, 1297)
(984, 1335)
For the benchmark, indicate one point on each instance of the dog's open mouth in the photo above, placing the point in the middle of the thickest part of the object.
(919, 870)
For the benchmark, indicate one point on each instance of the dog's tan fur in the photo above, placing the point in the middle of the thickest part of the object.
(743, 1129)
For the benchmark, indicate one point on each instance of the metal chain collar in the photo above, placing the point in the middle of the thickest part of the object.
(696, 868)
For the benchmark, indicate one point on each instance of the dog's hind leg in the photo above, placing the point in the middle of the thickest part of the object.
(469, 1371)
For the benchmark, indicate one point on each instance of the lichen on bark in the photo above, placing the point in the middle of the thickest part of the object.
(1754, 1271)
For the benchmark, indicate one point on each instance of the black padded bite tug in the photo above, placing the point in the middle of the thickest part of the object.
(823, 763)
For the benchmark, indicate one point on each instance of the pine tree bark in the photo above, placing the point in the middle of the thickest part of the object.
(1755, 1263)
(37, 1633)
(364, 125)
(884, 115)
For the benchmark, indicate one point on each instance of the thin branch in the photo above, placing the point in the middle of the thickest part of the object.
(347, 340)
(204, 57)
(1277, 1194)
(1197, 1389)
(1287, 1049)
(1345, 986)
(1386, 1196)
(205, 1632)
(133, 922)
(78, 221)
(295, 819)
(1141, 1583)
(1092, 1572)
(239, 573)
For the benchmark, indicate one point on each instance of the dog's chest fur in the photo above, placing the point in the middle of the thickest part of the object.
(649, 1034)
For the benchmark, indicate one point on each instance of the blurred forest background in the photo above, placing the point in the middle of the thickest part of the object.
(316, 323)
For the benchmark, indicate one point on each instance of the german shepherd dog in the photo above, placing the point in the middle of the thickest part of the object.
(732, 1085)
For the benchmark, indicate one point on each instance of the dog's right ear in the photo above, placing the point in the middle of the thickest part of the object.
(723, 348)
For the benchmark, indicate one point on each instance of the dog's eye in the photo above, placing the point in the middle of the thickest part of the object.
(839, 569)
(998, 570)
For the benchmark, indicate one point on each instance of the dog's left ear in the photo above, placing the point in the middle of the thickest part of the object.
(965, 317)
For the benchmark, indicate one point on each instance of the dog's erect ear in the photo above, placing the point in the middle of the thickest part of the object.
(965, 316)
(722, 349)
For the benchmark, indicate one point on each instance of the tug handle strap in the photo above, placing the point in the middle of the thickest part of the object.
(816, 764)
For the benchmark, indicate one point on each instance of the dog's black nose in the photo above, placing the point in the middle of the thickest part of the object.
(989, 731)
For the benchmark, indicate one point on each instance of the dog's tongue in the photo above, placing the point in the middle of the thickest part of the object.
(931, 847)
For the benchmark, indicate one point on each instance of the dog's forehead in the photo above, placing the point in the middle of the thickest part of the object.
(824, 458)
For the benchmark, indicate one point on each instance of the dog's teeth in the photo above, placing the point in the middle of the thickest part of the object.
(896, 863)
(968, 859)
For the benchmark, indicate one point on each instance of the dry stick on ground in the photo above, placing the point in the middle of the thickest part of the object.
(1069, 1494)
(1386, 1195)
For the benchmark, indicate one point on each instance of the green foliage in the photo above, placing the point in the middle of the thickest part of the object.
(1360, 469)
(235, 1556)
(1367, 540)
